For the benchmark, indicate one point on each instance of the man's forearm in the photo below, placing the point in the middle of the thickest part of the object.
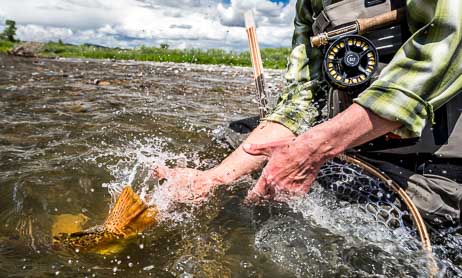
(294, 163)
(354, 126)
(239, 162)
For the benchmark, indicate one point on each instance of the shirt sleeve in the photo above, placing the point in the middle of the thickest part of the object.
(304, 63)
(425, 73)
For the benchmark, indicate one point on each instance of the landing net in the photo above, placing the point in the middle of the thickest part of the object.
(356, 181)
(349, 183)
(352, 179)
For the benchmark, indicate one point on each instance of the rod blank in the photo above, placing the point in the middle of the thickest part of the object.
(257, 63)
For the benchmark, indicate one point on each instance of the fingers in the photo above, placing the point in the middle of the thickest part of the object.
(284, 195)
(264, 149)
(161, 172)
(254, 149)
(267, 189)
(258, 192)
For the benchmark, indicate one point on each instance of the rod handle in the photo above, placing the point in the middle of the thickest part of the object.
(367, 24)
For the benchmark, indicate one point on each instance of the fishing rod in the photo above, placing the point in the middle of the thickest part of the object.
(257, 64)
(360, 26)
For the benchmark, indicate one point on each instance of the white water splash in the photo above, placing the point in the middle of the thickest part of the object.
(347, 220)
(314, 244)
(132, 164)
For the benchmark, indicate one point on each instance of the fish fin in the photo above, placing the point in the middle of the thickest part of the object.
(127, 208)
(144, 221)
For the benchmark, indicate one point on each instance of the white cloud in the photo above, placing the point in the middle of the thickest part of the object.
(181, 26)
(63, 13)
(130, 23)
(266, 12)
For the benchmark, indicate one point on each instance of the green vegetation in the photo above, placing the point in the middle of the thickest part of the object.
(275, 58)
(9, 32)
(6, 45)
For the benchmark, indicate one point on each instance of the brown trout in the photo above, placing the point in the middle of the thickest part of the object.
(129, 217)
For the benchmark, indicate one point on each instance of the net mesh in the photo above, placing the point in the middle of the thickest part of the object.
(352, 183)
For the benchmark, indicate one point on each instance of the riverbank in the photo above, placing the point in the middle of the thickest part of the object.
(273, 58)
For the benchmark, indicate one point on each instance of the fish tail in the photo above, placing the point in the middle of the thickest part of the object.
(127, 207)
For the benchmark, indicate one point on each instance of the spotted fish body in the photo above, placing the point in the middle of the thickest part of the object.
(129, 217)
(96, 239)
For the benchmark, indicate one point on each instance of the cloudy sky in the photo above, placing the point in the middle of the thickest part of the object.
(130, 23)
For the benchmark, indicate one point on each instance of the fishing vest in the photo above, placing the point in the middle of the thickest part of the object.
(444, 138)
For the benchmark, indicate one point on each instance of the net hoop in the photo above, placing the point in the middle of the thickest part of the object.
(416, 216)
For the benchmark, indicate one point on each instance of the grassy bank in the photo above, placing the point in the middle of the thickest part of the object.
(6, 45)
(275, 58)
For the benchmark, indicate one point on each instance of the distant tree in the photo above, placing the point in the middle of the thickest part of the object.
(164, 45)
(10, 30)
(60, 42)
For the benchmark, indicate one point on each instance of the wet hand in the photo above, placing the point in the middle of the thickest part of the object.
(186, 185)
(292, 167)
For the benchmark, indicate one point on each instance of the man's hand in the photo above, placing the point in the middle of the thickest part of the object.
(293, 164)
(187, 185)
(190, 185)
(292, 167)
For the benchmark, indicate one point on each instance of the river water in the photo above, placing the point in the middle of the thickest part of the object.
(74, 132)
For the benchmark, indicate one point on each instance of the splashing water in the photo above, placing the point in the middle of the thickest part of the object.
(56, 157)
(320, 236)
(132, 164)
(289, 240)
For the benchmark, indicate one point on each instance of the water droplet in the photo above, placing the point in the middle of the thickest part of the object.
(141, 246)
(149, 267)
(57, 273)
(115, 269)
(130, 264)
(246, 264)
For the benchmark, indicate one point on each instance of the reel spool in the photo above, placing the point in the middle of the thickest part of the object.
(350, 62)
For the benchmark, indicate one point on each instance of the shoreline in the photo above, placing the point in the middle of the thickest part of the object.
(205, 67)
(273, 58)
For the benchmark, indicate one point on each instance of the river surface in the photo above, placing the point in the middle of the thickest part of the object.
(74, 132)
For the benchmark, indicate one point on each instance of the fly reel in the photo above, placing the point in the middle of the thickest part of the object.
(350, 62)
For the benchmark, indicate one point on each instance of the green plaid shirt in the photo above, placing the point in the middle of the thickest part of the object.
(423, 75)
